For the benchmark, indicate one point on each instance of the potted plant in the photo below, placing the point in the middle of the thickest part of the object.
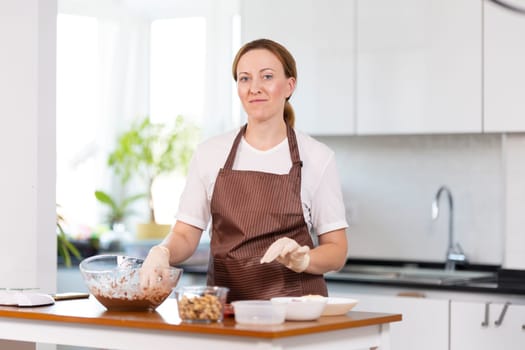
(65, 247)
(118, 209)
(147, 150)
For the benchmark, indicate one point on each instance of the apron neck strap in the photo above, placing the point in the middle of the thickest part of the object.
(292, 144)
(233, 151)
(294, 149)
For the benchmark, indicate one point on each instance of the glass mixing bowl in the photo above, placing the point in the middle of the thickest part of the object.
(114, 280)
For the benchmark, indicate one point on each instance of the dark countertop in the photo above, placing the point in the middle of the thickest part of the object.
(481, 278)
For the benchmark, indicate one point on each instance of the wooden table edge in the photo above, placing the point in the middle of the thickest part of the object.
(227, 327)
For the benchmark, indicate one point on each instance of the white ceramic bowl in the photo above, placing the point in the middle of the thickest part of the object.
(338, 306)
(302, 308)
(259, 312)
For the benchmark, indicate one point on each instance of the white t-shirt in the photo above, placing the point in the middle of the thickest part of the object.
(321, 195)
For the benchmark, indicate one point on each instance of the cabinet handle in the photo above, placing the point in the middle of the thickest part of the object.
(511, 7)
(485, 323)
(499, 321)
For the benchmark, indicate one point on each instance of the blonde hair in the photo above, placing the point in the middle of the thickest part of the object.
(286, 59)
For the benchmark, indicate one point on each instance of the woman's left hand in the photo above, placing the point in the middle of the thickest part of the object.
(289, 253)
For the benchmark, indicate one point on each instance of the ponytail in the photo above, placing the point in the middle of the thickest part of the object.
(289, 114)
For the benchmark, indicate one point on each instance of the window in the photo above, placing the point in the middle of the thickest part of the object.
(121, 63)
(77, 116)
(177, 68)
(177, 87)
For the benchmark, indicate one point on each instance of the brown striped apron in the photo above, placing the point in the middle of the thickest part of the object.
(250, 210)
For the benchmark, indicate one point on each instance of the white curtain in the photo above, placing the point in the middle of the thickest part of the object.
(121, 95)
(123, 80)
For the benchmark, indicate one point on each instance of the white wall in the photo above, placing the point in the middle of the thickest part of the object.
(27, 144)
(389, 183)
(514, 172)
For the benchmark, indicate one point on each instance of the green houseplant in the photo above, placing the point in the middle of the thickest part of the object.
(118, 209)
(147, 150)
(65, 247)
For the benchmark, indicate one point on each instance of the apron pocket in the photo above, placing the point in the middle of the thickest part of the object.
(248, 279)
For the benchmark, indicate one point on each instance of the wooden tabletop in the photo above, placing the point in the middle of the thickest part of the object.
(91, 312)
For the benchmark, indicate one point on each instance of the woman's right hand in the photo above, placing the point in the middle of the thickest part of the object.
(154, 266)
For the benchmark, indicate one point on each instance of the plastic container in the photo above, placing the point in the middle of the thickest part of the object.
(201, 304)
(259, 312)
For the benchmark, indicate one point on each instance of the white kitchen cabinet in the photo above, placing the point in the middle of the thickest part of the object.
(424, 324)
(504, 69)
(471, 328)
(419, 66)
(320, 35)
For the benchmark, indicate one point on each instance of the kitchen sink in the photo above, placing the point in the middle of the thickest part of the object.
(404, 274)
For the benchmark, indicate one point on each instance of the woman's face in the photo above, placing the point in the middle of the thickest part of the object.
(262, 85)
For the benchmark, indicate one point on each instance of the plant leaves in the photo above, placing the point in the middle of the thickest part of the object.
(147, 150)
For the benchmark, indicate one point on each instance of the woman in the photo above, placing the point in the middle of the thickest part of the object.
(264, 188)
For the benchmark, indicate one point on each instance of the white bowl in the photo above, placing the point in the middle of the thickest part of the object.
(302, 308)
(258, 312)
(338, 306)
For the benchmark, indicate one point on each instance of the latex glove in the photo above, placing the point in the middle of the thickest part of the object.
(289, 253)
(154, 267)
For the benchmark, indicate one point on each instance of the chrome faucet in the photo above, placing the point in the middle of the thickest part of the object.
(455, 253)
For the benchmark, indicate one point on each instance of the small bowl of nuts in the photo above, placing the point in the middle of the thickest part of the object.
(201, 304)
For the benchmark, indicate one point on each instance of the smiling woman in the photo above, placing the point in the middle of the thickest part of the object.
(264, 189)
